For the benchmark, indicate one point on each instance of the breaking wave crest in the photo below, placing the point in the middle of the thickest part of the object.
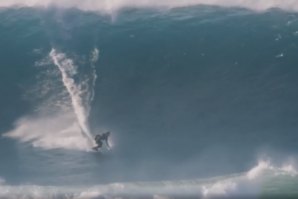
(252, 183)
(111, 6)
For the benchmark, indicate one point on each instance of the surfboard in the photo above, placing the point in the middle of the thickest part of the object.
(95, 148)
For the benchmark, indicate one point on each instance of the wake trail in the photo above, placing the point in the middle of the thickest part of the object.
(80, 93)
(61, 117)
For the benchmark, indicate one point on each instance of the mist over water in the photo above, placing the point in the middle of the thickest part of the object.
(200, 100)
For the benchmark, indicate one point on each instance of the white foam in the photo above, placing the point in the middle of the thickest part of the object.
(246, 184)
(89, 194)
(94, 55)
(259, 169)
(249, 183)
(111, 6)
(220, 188)
(289, 169)
(264, 167)
(50, 132)
(93, 60)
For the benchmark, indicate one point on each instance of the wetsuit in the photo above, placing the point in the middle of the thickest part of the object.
(100, 138)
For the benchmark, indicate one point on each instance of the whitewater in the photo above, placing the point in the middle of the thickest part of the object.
(247, 184)
(112, 6)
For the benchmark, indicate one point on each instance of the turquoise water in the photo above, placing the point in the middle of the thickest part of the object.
(189, 94)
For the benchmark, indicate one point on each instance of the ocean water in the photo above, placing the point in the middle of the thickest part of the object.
(201, 100)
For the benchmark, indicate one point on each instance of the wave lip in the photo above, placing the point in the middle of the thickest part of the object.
(110, 6)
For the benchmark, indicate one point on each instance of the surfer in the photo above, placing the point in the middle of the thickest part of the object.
(100, 138)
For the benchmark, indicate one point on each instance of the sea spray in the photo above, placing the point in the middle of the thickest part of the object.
(80, 92)
(107, 6)
(60, 117)
(93, 59)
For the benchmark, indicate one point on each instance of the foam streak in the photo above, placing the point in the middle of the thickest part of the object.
(76, 90)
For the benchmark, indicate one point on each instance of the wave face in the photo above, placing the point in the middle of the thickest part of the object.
(188, 93)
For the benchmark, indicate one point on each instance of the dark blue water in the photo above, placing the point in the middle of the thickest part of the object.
(187, 93)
